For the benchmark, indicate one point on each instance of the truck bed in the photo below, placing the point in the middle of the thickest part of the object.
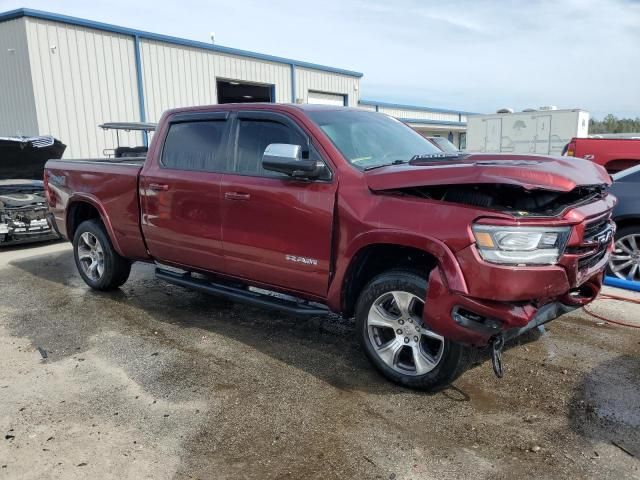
(615, 154)
(109, 184)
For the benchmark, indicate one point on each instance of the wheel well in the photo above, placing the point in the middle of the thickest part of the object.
(78, 213)
(372, 260)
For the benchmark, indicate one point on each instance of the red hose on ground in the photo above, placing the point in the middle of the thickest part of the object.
(605, 296)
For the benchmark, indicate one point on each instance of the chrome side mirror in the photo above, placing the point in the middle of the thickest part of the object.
(287, 158)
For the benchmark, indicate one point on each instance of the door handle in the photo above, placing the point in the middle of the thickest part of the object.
(236, 196)
(159, 187)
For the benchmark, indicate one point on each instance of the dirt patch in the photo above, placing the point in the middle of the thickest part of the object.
(181, 385)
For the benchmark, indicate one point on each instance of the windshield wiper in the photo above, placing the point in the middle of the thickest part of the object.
(395, 162)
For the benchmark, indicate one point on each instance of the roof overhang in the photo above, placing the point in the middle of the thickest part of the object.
(81, 22)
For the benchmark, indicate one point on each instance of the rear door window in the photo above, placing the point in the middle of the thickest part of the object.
(198, 145)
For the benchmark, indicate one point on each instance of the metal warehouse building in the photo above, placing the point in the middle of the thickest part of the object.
(64, 76)
(430, 122)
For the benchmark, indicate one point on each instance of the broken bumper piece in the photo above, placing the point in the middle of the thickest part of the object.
(475, 321)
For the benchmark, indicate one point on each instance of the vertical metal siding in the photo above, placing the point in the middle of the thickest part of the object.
(88, 79)
(419, 114)
(178, 76)
(371, 108)
(175, 76)
(17, 102)
(307, 79)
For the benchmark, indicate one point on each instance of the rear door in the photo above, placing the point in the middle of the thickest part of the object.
(276, 230)
(543, 134)
(180, 193)
(493, 136)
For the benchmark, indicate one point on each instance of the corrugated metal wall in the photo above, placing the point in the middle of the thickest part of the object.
(307, 79)
(17, 104)
(87, 79)
(419, 114)
(179, 76)
(66, 79)
(371, 108)
(175, 76)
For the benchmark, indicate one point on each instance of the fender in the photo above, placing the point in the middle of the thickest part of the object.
(446, 260)
(106, 221)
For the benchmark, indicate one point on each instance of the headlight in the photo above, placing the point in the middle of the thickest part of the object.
(521, 245)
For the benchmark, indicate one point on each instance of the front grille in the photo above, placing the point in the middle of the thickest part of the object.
(592, 230)
(598, 233)
(592, 260)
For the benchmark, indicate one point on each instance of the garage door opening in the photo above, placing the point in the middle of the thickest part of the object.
(323, 98)
(230, 91)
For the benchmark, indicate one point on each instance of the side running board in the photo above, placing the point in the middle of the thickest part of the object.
(241, 295)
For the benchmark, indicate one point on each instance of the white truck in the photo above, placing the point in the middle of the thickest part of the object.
(545, 131)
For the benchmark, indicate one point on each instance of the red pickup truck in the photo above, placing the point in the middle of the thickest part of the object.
(311, 209)
(614, 154)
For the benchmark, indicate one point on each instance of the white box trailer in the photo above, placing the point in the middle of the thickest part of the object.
(545, 131)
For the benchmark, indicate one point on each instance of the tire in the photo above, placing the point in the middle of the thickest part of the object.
(626, 252)
(99, 265)
(436, 360)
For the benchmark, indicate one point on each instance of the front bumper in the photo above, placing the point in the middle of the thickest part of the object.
(509, 300)
(474, 321)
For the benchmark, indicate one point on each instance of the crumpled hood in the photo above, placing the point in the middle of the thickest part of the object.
(561, 174)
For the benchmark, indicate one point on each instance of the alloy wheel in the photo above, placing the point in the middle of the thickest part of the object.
(399, 337)
(624, 262)
(91, 256)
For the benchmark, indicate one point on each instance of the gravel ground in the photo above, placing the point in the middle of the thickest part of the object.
(154, 381)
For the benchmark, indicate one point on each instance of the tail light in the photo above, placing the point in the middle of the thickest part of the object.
(571, 149)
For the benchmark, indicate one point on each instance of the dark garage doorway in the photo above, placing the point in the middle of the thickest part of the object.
(232, 91)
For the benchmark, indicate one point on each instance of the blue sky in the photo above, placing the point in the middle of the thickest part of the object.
(471, 55)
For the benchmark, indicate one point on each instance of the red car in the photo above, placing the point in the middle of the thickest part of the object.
(311, 209)
(614, 154)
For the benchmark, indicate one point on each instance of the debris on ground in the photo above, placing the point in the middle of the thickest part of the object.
(621, 447)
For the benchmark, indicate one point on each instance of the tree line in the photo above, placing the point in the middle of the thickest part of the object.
(613, 124)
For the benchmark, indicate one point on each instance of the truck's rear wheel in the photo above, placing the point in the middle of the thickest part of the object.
(396, 340)
(99, 265)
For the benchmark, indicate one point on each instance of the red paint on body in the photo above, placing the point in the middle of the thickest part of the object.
(244, 226)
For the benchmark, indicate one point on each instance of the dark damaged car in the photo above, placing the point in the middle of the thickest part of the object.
(23, 206)
(313, 209)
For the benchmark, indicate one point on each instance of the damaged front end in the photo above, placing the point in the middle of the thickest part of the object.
(511, 199)
(24, 213)
(538, 234)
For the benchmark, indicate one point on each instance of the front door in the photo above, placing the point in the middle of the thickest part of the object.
(180, 194)
(276, 230)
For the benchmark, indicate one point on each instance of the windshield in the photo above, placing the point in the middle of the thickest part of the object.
(369, 139)
(444, 144)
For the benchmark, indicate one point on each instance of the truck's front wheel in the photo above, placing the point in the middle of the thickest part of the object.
(396, 340)
(99, 265)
